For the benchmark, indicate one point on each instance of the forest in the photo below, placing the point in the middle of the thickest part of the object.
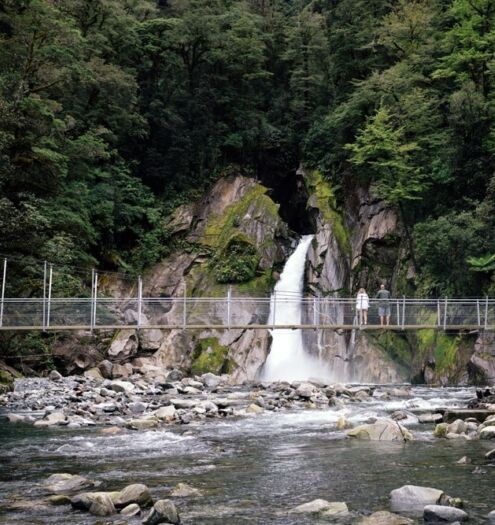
(114, 112)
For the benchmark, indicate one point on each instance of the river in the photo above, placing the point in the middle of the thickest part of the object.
(251, 470)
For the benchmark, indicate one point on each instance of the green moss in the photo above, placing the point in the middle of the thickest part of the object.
(395, 346)
(446, 351)
(258, 286)
(210, 356)
(221, 228)
(322, 196)
(237, 262)
(6, 381)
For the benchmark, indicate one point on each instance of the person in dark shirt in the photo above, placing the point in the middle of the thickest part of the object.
(383, 297)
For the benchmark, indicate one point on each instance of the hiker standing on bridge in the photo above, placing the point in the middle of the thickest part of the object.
(362, 305)
(383, 297)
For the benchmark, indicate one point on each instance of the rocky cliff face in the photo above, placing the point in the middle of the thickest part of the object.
(236, 228)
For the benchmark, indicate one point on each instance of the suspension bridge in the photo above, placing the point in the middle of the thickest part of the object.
(231, 312)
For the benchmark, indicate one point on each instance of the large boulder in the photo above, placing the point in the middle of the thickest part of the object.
(163, 511)
(487, 432)
(382, 430)
(136, 493)
(66, 483)
(124, 345)
(97, 503)
(444, 513)
(413, 498)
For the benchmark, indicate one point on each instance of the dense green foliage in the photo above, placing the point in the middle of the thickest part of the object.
(112, 112)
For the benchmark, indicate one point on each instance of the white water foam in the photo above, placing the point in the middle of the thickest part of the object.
(287, 359)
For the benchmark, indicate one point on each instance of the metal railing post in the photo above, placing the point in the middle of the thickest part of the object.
(184, 312)
(445, 314)
(403, 311)
(44, 295)
(48, 306)
(315, 314)
(4, 277)
(92, 299)
(140, 300)
(439, 314)
(274, 309)
(398, 313)
(95, 300)
(486, 313)
(478, 313)
(229, 299)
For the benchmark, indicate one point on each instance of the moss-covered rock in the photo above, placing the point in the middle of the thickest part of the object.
(322, 197)
(210, 356)
(6, 381)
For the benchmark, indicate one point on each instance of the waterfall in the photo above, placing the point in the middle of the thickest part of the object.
(287, 359)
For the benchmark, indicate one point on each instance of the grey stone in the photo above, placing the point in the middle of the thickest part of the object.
(306, 390)
(97, 503)
(491, 516)
(183, 490)
(163, 511)
(444, 513)
(122, 386)
(105, 368)
(131, 510)
(211, 380)
(383, 430)
(136, 493)
(430, 418)
(412, 498)
(487, 433)
(166, 413)
(55, 376)
(320, 506)
(55, 418)
(64, 483)
(384, 517)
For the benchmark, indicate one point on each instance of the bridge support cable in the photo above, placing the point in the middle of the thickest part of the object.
(4, 277)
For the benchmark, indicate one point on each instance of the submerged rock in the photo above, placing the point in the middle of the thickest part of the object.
(183, 490)
(444, 513)
(413, 498)
(163, 511)
(487, 432)
(97, 503)
(322, 506)
(55, 418)
(384, 517)
(383, 430)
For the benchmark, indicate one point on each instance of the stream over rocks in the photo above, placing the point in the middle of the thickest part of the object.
(232, 454)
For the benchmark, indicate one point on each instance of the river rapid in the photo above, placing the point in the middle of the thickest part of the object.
(251, 469)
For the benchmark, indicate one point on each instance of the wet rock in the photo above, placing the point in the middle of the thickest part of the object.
(254, 409)
(413, 498)
(441, 430)
(175, 375)
(490, 454)
(166, 413)
(444, 513)
(211, 380)
(491, 516)
(163, 511)
(306, 390)
(183, 490)
(19, 418)
(457, 427)
(430, 418)
(111, 430)
(487, 432)
(383, 430)
(55, 376)
(97, 503)
(322, 506)
(66, 483)
(183, 403)
(384, 517)
(136, 493)
(142, 424)
(463, 461)
(343, 423)
(131, 510)
(55, 418)
(399, 415)
(137, 407)
(59, 499)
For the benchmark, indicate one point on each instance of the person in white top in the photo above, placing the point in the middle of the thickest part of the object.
(362, 305)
